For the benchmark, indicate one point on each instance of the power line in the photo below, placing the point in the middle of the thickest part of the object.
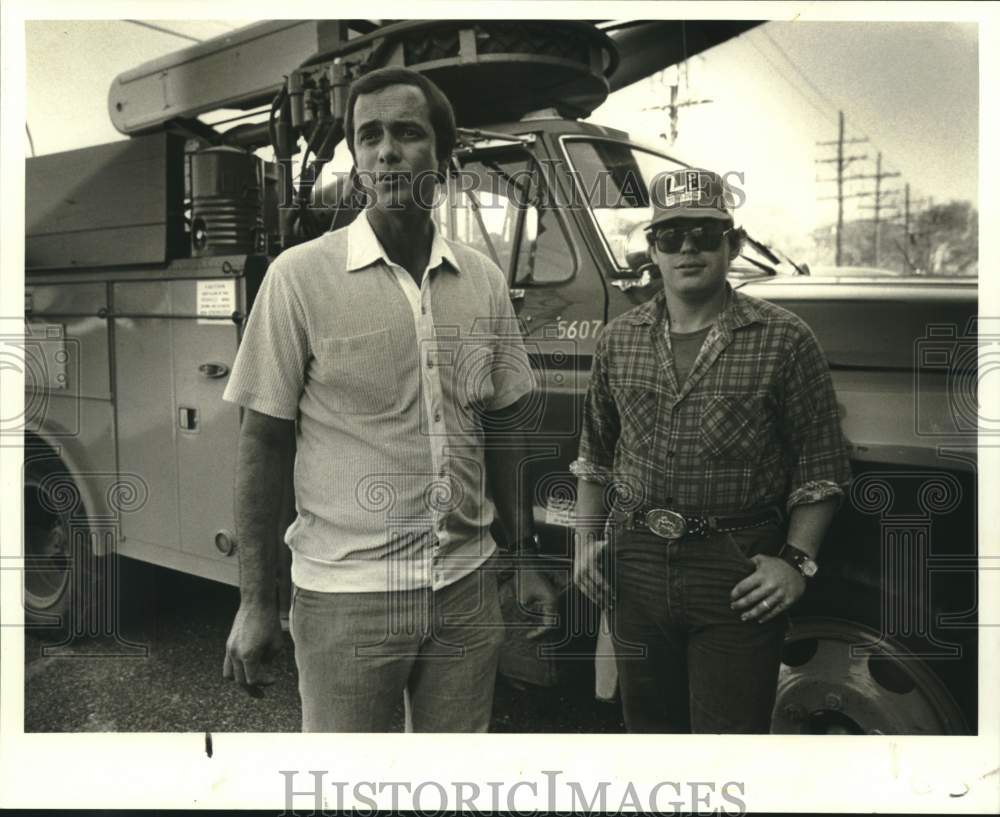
(163, 30)
(784, 76)
(799, 71)
(878, 206)
(811, 84)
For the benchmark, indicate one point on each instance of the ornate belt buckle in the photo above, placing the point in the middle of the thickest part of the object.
(668, 524)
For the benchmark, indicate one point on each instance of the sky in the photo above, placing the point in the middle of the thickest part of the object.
(911, 89)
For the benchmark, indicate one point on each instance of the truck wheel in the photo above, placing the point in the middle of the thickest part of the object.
(60, 573)
(826, 687)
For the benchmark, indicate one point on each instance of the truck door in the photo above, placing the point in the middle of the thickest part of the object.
(498, 201)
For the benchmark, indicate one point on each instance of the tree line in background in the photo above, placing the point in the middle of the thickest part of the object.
(943, 240)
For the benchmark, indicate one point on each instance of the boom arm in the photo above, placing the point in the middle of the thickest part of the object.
(242, 69)
(247, 67)
(491, 71)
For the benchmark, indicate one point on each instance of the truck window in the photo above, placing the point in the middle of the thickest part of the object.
(491, 204)
(545, 256)
(613, 181)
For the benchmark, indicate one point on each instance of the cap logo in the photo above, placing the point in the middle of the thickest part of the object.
(683, 188)
(686, 181)
(688, 193)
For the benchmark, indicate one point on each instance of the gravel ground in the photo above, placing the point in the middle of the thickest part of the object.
(169, 679)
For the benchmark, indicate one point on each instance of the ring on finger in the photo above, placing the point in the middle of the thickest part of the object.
(766, 605)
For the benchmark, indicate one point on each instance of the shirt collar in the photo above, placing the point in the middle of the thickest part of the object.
(740, 310)
(364, 248)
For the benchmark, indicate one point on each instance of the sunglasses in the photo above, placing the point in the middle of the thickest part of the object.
(705, 239)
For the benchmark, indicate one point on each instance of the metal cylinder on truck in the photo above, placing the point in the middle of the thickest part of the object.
(226, 202)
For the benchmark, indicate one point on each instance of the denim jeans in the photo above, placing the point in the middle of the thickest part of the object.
(358, 654)
(686, 663)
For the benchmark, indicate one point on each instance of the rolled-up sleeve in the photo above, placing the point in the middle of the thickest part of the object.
(601, 424)
(816, 451)
(269, 371)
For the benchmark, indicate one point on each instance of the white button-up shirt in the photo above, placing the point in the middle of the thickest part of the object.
(385, 380)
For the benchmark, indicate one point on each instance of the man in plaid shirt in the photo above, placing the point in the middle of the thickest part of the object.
(710, 466)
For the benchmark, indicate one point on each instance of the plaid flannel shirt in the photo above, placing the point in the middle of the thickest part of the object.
(755, 423)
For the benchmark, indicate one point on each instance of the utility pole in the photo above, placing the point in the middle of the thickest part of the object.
(909, 247)
(842, 162)
(912, 238)
(906, 213)
(878, 206)
(674, 109)
(906, 229)
(840, 182)
(673, 114)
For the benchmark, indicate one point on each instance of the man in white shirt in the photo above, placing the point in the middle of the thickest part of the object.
(385, 360)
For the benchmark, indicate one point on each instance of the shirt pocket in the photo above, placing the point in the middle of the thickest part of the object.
(731, 427)
(360, 372)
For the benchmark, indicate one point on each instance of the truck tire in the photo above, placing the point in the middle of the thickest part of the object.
(61, 572)
(840, 676)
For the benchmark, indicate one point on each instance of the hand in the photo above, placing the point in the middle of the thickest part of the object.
(773, 587)
(537, 594)
(254, 641)
(589, 557)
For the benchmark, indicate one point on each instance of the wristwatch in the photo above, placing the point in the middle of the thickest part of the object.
(800, 560)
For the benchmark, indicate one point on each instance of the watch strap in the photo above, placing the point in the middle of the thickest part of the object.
(799, 559)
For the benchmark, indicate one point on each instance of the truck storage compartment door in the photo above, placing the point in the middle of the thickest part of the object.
(206, 427)
(145, 397)
(175, 343)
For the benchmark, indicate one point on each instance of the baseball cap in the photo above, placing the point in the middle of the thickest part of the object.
(689, 193)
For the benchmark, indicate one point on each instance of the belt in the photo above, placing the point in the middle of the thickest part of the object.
(673, 525)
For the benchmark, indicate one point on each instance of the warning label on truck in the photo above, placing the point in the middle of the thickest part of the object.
(560, 511)
(216, 299)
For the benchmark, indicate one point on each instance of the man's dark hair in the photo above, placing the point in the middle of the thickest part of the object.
(442, 115)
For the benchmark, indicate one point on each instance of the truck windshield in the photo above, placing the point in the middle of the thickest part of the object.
(613, 178)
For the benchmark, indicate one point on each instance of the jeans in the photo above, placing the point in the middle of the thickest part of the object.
(686, 662)
(358, 654)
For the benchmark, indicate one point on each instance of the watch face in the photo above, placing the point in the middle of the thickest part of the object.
(808, 568)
